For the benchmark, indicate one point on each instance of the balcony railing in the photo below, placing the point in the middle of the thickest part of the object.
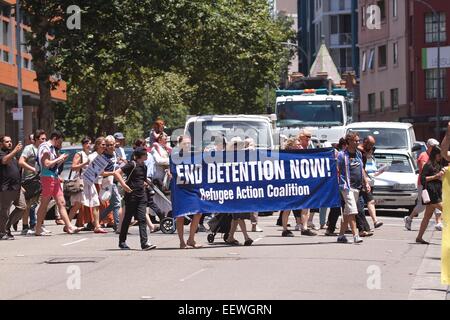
(341, 39)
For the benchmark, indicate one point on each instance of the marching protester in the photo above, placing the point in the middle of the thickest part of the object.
(48, 160)
(161, 153)
(423, 158)
(135, 198)
(235, 144)
(27, 161)
(184, 147)
(367, 149)
(10, 188)
(431, 180)
(120, 152)
(351, 182)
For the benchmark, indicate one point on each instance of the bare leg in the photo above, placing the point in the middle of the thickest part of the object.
(426, 219)
(193, 229)
(73, 211)
(61, 204)
(234, 224)
(305, 218)
(285, 218)
(352, 221)
(243, 227)
(372, 211)
(180, 231)
(42, 211)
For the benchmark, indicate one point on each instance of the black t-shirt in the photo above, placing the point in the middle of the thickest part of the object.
(136, 178)
(355, 172)
(9, 173)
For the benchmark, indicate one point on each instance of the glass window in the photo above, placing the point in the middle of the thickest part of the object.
(371, 98)
(394, 99)
(382, 101)
(394, 8)
(363, 16)
(394, 163)
(385, 138)
(371, 59)
(395, 53)
(5, 33)
(310, 113)
(363, 64)
(433, 33)
(431, 83)
(382, 56)
(381, 4)
(334, 25)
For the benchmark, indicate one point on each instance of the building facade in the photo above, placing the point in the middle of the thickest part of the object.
(333, 22)
(399, 77)
(288, 8)
(8, 76)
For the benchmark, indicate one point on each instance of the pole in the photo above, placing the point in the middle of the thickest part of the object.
(19, 70)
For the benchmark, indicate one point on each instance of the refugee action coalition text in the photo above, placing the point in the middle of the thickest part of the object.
(268, 170)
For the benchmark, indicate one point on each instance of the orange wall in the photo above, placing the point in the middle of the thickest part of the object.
(8, 77)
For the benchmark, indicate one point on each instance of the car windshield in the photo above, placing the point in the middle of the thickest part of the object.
(385, 138)
(309, 113)
(258, 131)
(394, 163)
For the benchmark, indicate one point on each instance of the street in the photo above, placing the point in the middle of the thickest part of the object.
(389, 265)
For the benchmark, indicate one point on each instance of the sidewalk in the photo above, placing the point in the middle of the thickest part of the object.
(427, 284)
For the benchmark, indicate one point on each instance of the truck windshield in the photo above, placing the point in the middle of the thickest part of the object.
(310, 113)
(385, 138)
(210, 130)
(394, 163)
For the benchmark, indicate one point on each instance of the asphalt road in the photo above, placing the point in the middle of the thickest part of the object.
(90, 266)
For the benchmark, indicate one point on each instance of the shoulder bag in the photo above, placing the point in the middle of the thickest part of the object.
(74, 186)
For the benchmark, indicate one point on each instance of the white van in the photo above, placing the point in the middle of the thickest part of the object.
(388, 135)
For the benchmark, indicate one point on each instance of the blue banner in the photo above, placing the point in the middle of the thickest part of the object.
(253, 181)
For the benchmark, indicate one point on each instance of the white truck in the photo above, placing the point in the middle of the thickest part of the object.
(324, 111)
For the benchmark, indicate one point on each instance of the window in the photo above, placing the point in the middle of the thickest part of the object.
(5, 33)
(370, 65)
(382, 101)
(394, 8)
(334, 25)
(394, 99)
(26, 63)
(5, 10)
(371, 102)
(5, 56)
(433, 33)
(381, 4)
(431, 83)
(382, 57)
(395, 53)
(363, 64)
(363, 16)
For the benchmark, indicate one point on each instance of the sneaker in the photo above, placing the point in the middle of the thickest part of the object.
(408, 222)
(255, 228)
(342, 239)
(377, 224)
(287, 233)
(45, 229)
(357, 239)
(308, 232)
(24, 232)
(148, 247)
(30, 233)
(298, 227)
(438, 227)
(124, 246)
(7, 237)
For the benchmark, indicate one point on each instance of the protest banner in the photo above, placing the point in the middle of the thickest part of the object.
(254, 181)
(94, 169)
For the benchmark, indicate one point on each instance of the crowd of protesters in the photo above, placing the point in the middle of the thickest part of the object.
(30, 179)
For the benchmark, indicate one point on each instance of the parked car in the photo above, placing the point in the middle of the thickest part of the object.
(396, 187)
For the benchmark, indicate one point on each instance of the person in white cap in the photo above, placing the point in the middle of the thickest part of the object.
(421, 161)
(120, 152)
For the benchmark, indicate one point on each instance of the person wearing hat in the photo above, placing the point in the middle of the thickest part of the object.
(423, 158)
(120, 152)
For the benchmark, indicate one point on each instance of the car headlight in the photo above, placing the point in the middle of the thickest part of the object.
(409, 187)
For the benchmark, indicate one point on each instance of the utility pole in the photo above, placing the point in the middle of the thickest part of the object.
(19, 72)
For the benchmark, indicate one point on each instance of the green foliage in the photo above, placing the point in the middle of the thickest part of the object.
(135, 61)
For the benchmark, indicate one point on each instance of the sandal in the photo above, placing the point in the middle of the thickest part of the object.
(184, 246)
(100, 230)
(421, 241)
(248, 242)
(194, 245)
(232, 243)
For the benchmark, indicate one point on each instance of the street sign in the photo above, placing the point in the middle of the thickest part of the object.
(17, 113)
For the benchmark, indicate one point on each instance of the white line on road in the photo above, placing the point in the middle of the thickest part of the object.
(78, 241)
(256, 240)
(192, 275)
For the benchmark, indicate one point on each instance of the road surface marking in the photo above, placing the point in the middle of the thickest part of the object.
(192, 275)
(78, 241)
(256, 240)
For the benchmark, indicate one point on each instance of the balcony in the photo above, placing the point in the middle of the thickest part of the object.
(340, 5)
(341, 39)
